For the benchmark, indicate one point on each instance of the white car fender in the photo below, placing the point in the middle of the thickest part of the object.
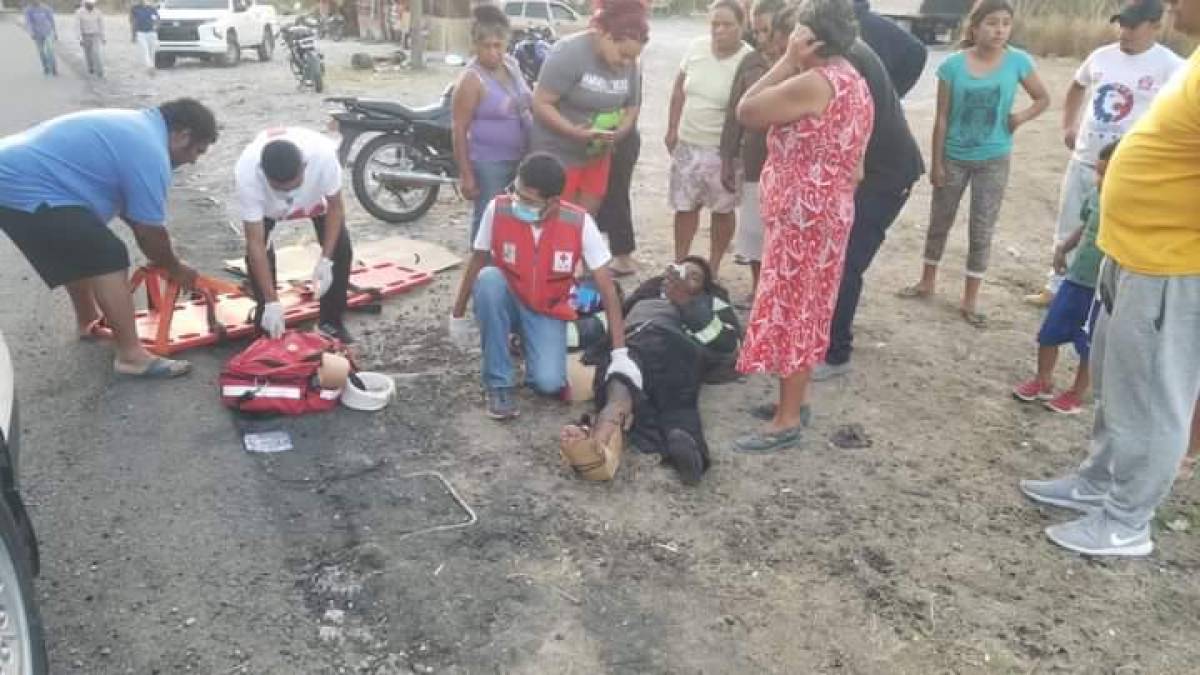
(7, 387)
(220, 27)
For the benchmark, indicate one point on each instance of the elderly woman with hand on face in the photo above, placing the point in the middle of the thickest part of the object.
(744, 151)
(819, 112)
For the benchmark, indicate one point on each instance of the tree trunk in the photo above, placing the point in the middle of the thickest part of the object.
(417, 30)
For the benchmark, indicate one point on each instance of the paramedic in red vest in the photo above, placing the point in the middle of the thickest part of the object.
(289, 174)
(536, 242)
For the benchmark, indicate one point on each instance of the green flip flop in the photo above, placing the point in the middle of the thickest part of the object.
(913, 292)
(763, 442)
(974, 318)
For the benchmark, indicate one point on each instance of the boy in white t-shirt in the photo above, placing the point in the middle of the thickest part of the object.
(287, 174)
(1122, 79)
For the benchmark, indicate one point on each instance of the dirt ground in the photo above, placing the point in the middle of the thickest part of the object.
(915, 555)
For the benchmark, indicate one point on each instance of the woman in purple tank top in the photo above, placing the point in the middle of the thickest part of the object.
(491, 113)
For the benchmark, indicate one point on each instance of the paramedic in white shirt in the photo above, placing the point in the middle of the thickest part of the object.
(291, 174)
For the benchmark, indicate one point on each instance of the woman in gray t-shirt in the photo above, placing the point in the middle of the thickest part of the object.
(588, 96)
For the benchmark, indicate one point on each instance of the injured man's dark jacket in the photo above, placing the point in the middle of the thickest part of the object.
(678, 345)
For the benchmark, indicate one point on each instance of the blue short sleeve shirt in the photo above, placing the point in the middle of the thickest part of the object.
(112, 162)
(980, 106)
(144, 18)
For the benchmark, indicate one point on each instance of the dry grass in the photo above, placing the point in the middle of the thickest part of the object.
(1059, 35)
(1074, 27)
(1096, 9)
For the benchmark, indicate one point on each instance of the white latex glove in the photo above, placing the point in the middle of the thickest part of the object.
(322, 277)
(462, 332)
(621, 363)
(272, 319)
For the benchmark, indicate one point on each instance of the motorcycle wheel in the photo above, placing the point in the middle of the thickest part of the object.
(392, 205)
(297, 69)
(312, 71)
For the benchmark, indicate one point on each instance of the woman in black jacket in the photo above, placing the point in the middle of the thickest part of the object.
(682, 332)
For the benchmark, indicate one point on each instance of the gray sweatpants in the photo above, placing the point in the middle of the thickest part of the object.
(91, 53)
(988, 180)
(1146, 372)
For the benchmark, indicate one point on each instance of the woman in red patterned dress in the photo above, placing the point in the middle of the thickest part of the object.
(819, 112)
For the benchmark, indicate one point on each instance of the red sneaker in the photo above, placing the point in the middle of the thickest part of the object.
(1032, 390)
(1066, 403)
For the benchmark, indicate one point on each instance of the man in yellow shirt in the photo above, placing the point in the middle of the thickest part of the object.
(1146, 349)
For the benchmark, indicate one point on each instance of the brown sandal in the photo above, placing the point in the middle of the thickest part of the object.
(974, 318)
(914, 292)
(97, 330)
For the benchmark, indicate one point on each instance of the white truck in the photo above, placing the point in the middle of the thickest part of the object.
(929, 20)
(215, 30)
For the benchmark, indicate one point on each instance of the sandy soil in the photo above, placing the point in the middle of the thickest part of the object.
(916, 555)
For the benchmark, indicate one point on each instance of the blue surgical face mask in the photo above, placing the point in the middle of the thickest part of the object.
(526, 213)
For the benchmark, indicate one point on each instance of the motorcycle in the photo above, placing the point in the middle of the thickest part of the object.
(529, 48)
(335, 27)
(397, 174)
(332, 26)
(304, 58)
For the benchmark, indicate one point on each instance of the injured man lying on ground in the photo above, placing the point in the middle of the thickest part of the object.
(682, 332)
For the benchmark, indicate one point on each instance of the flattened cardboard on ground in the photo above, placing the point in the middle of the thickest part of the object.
(579, 378)
(295, 263)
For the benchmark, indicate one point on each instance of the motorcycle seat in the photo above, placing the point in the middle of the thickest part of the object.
(295, 32)
(427, 113)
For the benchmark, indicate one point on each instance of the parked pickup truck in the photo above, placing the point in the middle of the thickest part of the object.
(216, 30)
(928, 20)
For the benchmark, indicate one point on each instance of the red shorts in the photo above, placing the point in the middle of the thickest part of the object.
(589, 179)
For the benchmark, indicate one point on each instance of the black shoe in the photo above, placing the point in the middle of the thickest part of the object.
(684, 454)
(337, 331)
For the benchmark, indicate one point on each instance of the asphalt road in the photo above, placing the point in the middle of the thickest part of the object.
(166, 548)
(162, 546)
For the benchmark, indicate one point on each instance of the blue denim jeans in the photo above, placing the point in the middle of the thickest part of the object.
(492, 178)
(45, 48)
(543, 338)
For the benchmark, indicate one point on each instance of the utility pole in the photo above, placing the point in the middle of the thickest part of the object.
(417, 26)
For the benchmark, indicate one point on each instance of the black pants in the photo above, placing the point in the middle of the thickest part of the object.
(333, 303)
(615, 216)
(672, 374)
(875, 210)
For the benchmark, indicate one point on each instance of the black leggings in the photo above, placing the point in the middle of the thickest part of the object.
(615, 216)
(333, 303)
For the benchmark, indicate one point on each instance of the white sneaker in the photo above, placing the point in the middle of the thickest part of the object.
(1065, 493)
(1098, 534)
